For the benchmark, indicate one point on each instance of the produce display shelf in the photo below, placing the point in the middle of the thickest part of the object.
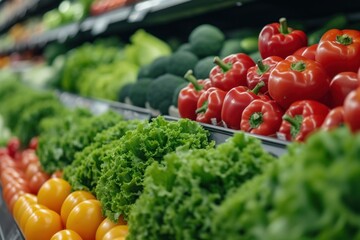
(127, 18)
(274, 146)
(98, 106)
(9, 230)
(219, 134)
(27, 10)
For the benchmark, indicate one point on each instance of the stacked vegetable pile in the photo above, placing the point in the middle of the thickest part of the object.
(165, 75)
(310, 193)
(292, 91)
(102, 68)
(167, 181)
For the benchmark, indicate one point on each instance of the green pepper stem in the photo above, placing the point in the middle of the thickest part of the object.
(258, 86)
(298, 66)
(295, 123)
(283, 26)
(189, 76)
(224, 66)
(256, 120)
(203, 108)
(344, 39)
(262, 68)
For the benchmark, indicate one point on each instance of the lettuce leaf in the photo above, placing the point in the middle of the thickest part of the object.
(121, 182)
(310, 193)
(84, 172)
(181, 195)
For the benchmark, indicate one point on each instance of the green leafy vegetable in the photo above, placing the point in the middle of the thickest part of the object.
(311, 193)
(84, 172)
(145, 48)
(181, 195)
(121, 182)
(86, 57)
(56, 152)
(29, 120)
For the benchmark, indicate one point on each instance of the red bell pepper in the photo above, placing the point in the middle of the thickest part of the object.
(261, 72)
(301, 119)
(308, 52)
(277, 39)
(209, 106)
(231, 71)
(339, 51)
(236, 100)
(341, 85)
(189, 95)
(335, 118)
(352, 110)
(262, 117)
(297, 78)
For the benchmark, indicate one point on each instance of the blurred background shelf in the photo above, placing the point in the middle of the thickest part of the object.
(177, 18)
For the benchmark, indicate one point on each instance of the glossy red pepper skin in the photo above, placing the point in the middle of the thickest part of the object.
(231, 71)
(261, 72)
(297, 78)
(334, 119)
(305, 116)
(341, 85)
(209, 106)
(262, 117)
(339, 51)
(277, 39)
(308, 52)
(236, 100)
(189, 96)
(352, 110)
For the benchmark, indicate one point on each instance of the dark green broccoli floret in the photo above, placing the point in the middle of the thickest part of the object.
(185, 47)
(203, 67)
(124, 92)
(181, 62)
(138, 92)
(161, 90)
(206, 40)
(158, 67)
(231, 46)
(144, 72)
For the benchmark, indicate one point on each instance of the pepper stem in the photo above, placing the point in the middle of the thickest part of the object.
(295, 123)
(258, 86)
(283, 26)
(224, 66)
(203, 108)
(256, 120)
(189, 76)
(344, 39)
(298, 66)
(262, 68)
